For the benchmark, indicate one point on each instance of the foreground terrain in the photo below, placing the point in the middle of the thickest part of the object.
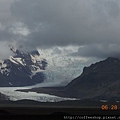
(79, 107)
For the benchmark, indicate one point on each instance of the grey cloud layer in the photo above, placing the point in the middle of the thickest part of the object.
(94, 24)
(99, 51)
(63, 22)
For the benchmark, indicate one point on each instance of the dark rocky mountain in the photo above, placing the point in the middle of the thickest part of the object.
(22, 69)
(98, 81)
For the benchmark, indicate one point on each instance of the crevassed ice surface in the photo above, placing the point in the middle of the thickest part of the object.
(62, 68)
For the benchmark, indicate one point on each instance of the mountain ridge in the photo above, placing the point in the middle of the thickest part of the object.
(22, 69)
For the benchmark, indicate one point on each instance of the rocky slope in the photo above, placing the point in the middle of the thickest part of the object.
(22, 69)
(100, 80)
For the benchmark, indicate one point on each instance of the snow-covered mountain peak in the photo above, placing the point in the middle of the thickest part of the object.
(24, 68)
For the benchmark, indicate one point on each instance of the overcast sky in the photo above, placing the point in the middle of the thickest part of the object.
(93, 25)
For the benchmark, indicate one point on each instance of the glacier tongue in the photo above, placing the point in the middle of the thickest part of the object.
(16, 95)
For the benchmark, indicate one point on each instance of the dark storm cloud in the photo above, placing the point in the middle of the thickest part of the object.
(63, 22)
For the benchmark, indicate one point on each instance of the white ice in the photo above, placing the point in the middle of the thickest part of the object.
(41, 97)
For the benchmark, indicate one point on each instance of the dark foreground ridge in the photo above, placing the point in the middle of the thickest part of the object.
(98, 81)
(78, 107)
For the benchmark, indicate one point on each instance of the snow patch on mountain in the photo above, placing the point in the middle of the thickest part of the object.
(3, 68)
(17, 60)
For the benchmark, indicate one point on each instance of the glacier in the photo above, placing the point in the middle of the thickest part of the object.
(62, 68)
(41, 97)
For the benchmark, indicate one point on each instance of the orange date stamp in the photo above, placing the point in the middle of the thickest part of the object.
(109, 107)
